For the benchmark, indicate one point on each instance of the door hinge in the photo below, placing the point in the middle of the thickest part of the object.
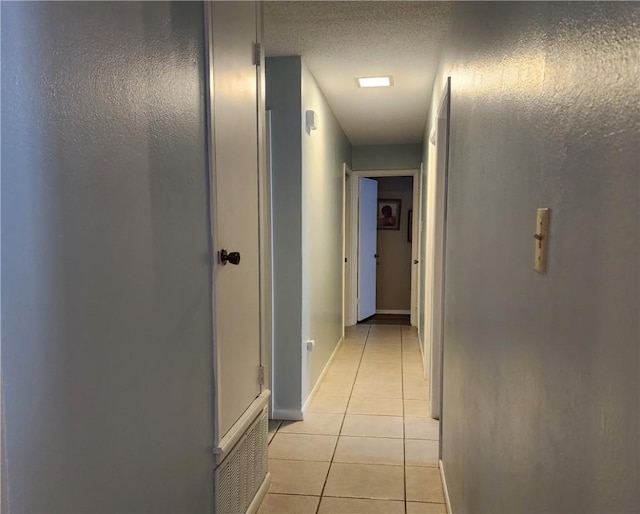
(261, 375)
(257, 54)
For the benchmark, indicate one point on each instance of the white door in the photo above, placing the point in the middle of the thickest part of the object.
(235, 210)
(367, 247)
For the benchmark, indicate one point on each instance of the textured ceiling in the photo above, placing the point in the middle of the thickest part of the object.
(343, 40)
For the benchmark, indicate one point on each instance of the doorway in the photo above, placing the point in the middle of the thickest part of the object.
(367, 192)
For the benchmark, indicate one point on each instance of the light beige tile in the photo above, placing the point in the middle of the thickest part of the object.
(314, 423)
(411, 353)
(340, 375)
(302, 447)
(335, 388)
(426, 508)
(381, 357)
(414, 380)
(376, 406)
(289, 504)
(329, 505)
(354, 342)
(412, 366)
(372, 426)
(421, 428)
(423, 484)
(349, 351)
(371, 390)
(416, 392)
(370, 450)
(383, 342)
(374, 349)
(374, 336)
(385, 329)
(345, 364)
(381, 367)
(379, 378)
(297, 476)
(421, 452)
(329, 404)
(417, 408)
(366, 481)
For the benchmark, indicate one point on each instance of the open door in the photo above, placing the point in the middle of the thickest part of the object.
(367, 247)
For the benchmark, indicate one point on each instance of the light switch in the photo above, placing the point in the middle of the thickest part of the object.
(541, 240)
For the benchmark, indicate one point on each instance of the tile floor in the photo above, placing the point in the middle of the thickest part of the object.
(367, 444)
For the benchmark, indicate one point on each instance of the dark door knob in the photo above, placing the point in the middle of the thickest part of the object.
(232, 257)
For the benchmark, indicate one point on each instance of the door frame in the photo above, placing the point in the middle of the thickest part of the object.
(350, 307)
(348, 278)
(436, 259)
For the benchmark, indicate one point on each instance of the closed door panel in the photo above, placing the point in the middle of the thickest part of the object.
(237, 295)
(368, 243)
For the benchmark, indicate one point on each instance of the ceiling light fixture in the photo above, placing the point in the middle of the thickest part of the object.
(375, 81)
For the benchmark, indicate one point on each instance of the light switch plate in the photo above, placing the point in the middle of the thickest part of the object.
(541, 240)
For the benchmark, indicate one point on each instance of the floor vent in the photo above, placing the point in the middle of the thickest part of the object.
(239, 476)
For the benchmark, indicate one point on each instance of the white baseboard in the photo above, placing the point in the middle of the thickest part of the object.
(316, 386)
(287, 414)
(445, 488)
(387, 311)
(262, 492)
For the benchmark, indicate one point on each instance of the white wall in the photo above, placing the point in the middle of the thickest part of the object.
(541, 372)
(307, 175)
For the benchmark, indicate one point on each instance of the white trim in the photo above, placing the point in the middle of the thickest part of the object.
(288, 414)
(316, 386)
(416, 247)
(436, 263)
(352, 258)
(259, 497)
(387, 311)
(266, 256)
(445, 488)
(211, 172)
(239, 428)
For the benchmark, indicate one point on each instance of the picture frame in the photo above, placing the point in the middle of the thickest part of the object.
(389, 214)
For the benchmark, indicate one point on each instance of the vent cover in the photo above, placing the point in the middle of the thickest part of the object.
(239, 476)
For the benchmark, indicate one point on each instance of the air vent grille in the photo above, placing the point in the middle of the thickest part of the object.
(239, 476)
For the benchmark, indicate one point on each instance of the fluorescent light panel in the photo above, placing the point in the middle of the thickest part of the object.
(375, 81)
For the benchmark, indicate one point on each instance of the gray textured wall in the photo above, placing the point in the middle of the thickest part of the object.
(284, 99)
(541, 372)
(106, 333)
(324, 151)
(386, 157)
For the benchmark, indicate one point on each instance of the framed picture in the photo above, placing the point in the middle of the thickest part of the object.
(410, 225)
(389, 214)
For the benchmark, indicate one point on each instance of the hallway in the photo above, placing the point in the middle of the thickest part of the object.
(367, 444)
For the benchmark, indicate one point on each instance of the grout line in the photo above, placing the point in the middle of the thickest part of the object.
(326, 479)
(404, 445)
